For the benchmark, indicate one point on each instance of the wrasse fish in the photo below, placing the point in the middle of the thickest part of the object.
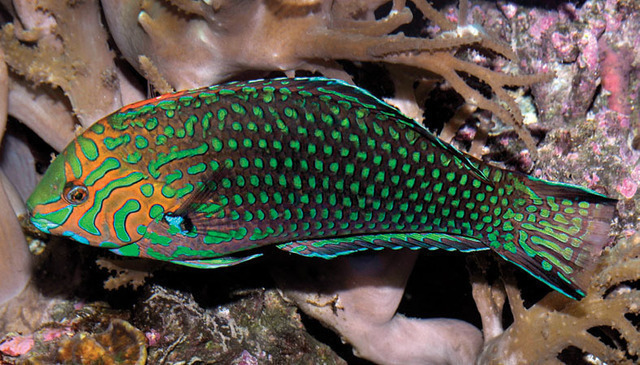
(314, 166)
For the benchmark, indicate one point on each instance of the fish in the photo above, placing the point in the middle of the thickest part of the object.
(314, 166)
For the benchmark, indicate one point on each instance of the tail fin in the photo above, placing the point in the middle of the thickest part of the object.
(558, 232)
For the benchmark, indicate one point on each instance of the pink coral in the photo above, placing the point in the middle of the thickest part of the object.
(50, 334)
(246, 359)
(17, 345)
(541, 25)
(153, 337)
(627, 188)
(615, 68)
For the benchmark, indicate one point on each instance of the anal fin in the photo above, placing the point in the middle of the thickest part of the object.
(215, 262)
(339, 246)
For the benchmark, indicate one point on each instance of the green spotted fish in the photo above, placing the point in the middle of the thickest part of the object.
(314, 166)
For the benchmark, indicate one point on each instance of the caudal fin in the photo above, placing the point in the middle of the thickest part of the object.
(559, 230)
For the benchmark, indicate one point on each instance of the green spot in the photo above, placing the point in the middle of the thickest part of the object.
(112, 143)
(151, 123)
(277, 198)
(134, 157)
(238, 108)
(88, 148)
(156, 211)
(445, 160)
(141, 142)
(146, 190)
(233, 144)
(97, 128)
(196, 169)
(168, 131)
(450, 176)
(156, 239)
(168, 192)
(222, 114)
(243, 162)
(268, 179)
(189, 124)
(277, 145)
(161, 139)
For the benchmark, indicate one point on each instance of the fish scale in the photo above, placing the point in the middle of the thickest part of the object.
(315, 166)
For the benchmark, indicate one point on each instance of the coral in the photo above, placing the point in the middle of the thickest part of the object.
(15, 267)
(259, 326)
(236, 37)
(72, 55)
(125, 275)
(358, 297)
(62, 74)
(16, 262)
(16, 346)
(604, 325)
(120, 343)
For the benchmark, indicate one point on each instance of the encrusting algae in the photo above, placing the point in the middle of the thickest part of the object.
(416, 53)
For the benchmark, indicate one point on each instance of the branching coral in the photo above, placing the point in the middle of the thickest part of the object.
(603, 325)
(70, 54)
(232, 37)
(124, 275)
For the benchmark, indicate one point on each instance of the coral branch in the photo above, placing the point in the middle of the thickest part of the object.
(435, 16)
(15, 266)
(305, 35)
(4, 94)
(557, 323)
(83, 65)
(489, 298)
(377, 28)
(42, 110)
(151, 73)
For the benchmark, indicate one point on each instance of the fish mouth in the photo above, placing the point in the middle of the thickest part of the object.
(48, 221)
(43, 224)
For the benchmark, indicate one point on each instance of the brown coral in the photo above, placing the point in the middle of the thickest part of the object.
(70, 54)
(230, 38)
(120, 343)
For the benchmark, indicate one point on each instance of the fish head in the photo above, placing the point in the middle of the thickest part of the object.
(92, 195)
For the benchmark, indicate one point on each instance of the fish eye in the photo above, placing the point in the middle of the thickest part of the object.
(75, 193)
